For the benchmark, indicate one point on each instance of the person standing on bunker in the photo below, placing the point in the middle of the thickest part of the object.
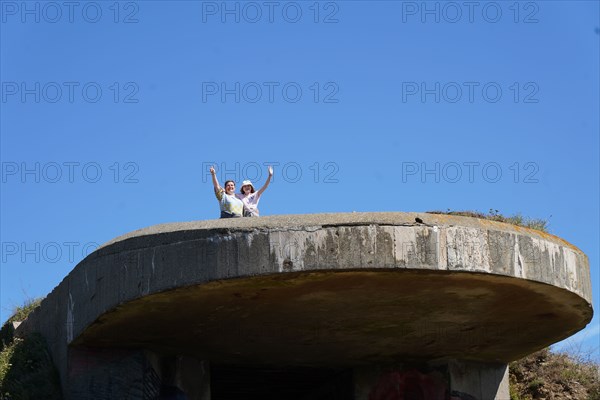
(250, 197)
(231, 206)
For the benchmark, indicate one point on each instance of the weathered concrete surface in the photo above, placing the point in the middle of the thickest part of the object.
(326, 289)
(113, 373)
(445, 379)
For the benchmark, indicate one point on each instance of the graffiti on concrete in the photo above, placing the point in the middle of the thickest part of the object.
(414, 385)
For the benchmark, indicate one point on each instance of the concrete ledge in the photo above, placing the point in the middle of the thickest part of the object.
(320, 289)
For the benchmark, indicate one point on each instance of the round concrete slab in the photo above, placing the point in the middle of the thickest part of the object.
(346, 318)
(323, 290)
(332, 289)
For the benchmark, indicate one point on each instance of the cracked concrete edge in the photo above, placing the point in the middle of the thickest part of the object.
(304, 222)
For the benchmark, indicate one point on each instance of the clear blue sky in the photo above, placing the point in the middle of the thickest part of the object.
(112, 112)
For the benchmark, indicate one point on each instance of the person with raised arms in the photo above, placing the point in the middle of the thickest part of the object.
(250, 197)
(230, 205)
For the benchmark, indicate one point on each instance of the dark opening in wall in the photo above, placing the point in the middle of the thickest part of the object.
(229, 382)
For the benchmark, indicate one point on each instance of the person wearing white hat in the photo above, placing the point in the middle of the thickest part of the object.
(250, 197)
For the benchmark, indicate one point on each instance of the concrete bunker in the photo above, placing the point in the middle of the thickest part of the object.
(313, 306)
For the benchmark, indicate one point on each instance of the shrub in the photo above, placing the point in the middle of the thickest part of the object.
(494, 215)
(554, 375)
(26, 368)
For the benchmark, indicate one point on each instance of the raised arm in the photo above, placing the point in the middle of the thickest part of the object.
(262, 189)
(214, 179)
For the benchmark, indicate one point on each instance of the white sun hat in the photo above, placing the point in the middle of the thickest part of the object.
(248, 182)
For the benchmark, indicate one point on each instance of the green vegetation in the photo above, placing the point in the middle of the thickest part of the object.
(19, 314)
(494, 215)
(26, 369)
(554, 375)
(22, 312)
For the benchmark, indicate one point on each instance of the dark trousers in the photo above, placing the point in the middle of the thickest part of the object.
(227, 215)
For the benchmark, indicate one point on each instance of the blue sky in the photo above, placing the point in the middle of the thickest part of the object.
(112, 112)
